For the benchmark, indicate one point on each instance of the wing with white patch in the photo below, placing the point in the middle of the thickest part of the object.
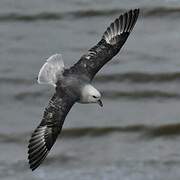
(51, 70)
(45, 135)
(112, 41)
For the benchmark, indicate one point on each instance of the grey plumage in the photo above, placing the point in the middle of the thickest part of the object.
(72, 84)
(46, 133)
(112, 41)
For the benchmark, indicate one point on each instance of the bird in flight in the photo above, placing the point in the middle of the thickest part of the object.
(74, 84)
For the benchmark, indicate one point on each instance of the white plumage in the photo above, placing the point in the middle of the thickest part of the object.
(52, 68)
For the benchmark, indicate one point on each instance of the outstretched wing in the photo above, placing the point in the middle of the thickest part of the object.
(46, 133)
(112, 40)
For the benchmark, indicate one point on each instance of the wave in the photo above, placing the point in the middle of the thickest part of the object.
(162, 11)
(30, 17)
(16, 81)
(110, 94)
(93, 132)
(48, 16)
(156, 131)
(140, 77)
(154, 94)
(132, 77)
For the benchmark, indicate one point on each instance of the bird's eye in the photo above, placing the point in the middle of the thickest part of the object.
(94, 97)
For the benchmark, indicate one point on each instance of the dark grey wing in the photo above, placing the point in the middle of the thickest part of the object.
(112, 40)
(46, 133)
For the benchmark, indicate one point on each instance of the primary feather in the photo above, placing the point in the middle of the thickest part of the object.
(123, 24)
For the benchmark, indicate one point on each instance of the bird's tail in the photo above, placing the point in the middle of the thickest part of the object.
(121, 27)
(52, 69)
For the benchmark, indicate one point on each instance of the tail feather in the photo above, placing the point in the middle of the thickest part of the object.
(52, 69)
(123, 24)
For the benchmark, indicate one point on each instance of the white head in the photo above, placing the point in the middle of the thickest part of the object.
(91, 95)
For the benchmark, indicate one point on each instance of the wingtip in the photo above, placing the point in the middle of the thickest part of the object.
(123, 24)
(37, 150)
(136, 11)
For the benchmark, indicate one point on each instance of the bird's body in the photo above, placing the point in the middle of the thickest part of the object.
(74, 84)
(78, 87)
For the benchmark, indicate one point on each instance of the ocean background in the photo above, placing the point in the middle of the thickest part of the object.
(136, 135)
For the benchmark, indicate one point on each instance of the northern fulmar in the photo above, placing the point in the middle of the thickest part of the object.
(74, 84)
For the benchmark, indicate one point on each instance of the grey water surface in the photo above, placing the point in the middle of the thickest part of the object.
(136, 135)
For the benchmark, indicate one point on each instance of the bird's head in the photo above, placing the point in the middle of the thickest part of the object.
(91, 95)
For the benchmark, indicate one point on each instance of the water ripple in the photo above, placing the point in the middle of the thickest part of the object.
(146, 11)
(140, 77)
(164, 130)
